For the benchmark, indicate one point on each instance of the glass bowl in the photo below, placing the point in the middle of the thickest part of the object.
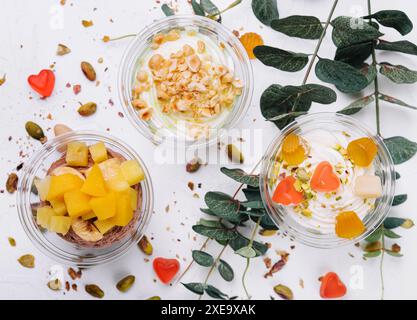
(237, 60)
(54, 245)
(287, 221)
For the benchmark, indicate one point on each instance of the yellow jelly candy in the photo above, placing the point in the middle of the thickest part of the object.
(348, 225)
(251, 40)
(293, 151)
(362, 151)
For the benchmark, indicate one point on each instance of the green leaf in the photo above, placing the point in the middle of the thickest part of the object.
(369, 71)
(357, 105)
(225, 270)
(266, 221)
(350, 30)
(398, 73)
(391, 234)
(396, 101)
(397, 175)
(207, 211)
(402, 46)
(393, 222)
(241, 176)
(401, 149)
(167, 10)
(209, 7)
(203, 258)
(252, 194)
(215, 293)
(281, 59)
(253, 204)
(240, 241)
(399, 199)
(394, 254)
(287, 117)
(374, 236)
(246, 252)
(305, 27)
(217, 233)
(393, 19)
(265, 10)
(197, 8)
(344, 76)
(223, 206)
(195, 287)
(354, 54)
(372, 254)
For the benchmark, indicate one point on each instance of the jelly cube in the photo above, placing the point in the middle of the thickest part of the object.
(117, 184)
(349, 225)
(362, 151)
(43, 214)
(94, 184)
(98, 152)
(77, 154)
(77, 202)
(132, 172)
(60, 224)
(62, 184)
(104, 207)
(59, 207)
(368, 186)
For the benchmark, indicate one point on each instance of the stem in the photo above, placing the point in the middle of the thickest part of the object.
(230, 6)
(122, 37)
(192, 261)
(316, 50)
(213, 266)
(250, 173)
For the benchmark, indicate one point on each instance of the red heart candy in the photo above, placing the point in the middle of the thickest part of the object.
(324, 179)
(285, 193)
(331, 286)
(43, 83)
(166, 269)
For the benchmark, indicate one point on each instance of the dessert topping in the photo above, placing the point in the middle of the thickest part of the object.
(362, 151)
(349, 225)
(324, 179)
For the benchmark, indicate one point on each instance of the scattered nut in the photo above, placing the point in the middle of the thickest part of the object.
(12, 241)
(284, 292)
(60, 129)
(234, 154)
(193, 165)
(88, 71)
(145, 246)
(87, 109)
(54, 285)
(27, 261)
(126, 283)
(146, 114)
(201, 46)
(62, 50)
(94, 291)
(11, 183)
(35, 131)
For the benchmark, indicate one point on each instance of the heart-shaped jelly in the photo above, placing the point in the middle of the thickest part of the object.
(331, 286)
(43, 83)
(324, 179)
(286, 194)
(166, 269)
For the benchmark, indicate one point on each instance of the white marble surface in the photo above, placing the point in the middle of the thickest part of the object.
(30, 32)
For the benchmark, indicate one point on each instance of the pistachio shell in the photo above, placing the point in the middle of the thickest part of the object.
(55, 285)
(60, 129)
(88, 70)
(284, 292)
(12, 241)
(27, 260)
(407, 224)
(154, 298)
(11, 183)
(234, 154)
(145, 246)
(126, 283)
(62, 50)
(94, 291)
(87, 109)
(34, 130)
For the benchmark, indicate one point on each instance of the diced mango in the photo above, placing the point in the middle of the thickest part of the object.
(134, 198)
(117, 184)
(59, 207)
(104, 225)
(64, 170)
(98, 152)
(43, 186)
(62, 184)
(88, 216)
(59, 224)
(124, 212)
(94, 184)
(77, 154)
(77, 202)
(104, 207)
(43, 214)
(110, 168)
(132, 172)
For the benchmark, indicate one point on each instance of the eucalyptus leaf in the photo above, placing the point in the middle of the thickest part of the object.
(203, 258)
(246, 252)
(241, 176)
(207, 211)
(398, 73)
(305, 27)
(253, 204)
(287, 117)
(225, 270)
(369, 71)
(397, 175)
(402, 46)
(344, 76)
(350, 30)
(401, 149)
(209, 7)
(217, 233)
(399, 199)
(393, 19)
(167, 10)
(354, 54)
(197, 8)
(266, 221)
(265, 10)
(223, 206)
(357, 105)
(391, 234)
(372, 254)
(210, 223)
(396, 101)
(195, 287)
(240, 241)
(393, 222)
(252, 194)
(374, 236)
(281, 59)
(215, 293)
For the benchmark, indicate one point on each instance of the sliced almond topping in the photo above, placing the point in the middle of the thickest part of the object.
(201, 46)
(194, 63)
(146, 114)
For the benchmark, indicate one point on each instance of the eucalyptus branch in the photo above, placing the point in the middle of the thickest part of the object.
(230, 6)
(108, 39)
(203, 246)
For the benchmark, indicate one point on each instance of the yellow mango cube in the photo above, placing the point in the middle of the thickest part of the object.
(94, 184)
(59, 207)
(88, 216)
(77, 202)
(132, 172)
(104, 207)
(98, 152)
(124, 212)
(134, 198)
(42, 185)
(104, 225)
(60, 224)
(77, 154)
(117, 185)
(110, 168)
(43, 214)
(62, 184)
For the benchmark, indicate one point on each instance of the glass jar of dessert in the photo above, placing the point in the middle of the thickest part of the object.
(327, 181)
(185, 79)
(85, 198)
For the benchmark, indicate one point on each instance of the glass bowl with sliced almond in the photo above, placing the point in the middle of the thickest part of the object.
(327, 181)
(85, 198)
(184, 80)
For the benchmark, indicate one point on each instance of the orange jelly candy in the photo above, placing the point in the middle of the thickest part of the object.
(362, 151)
(286, 194)
(349, 225)
(251, 40)
(293, 152)
(324, 179)
(331, 286)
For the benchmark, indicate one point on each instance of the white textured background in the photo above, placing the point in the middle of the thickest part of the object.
(30, 32)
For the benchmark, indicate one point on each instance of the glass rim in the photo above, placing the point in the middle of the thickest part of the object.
(25, 210)
(318, 240)
(129, 59)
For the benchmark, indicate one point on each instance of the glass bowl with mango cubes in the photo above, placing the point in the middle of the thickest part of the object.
(85, 198)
